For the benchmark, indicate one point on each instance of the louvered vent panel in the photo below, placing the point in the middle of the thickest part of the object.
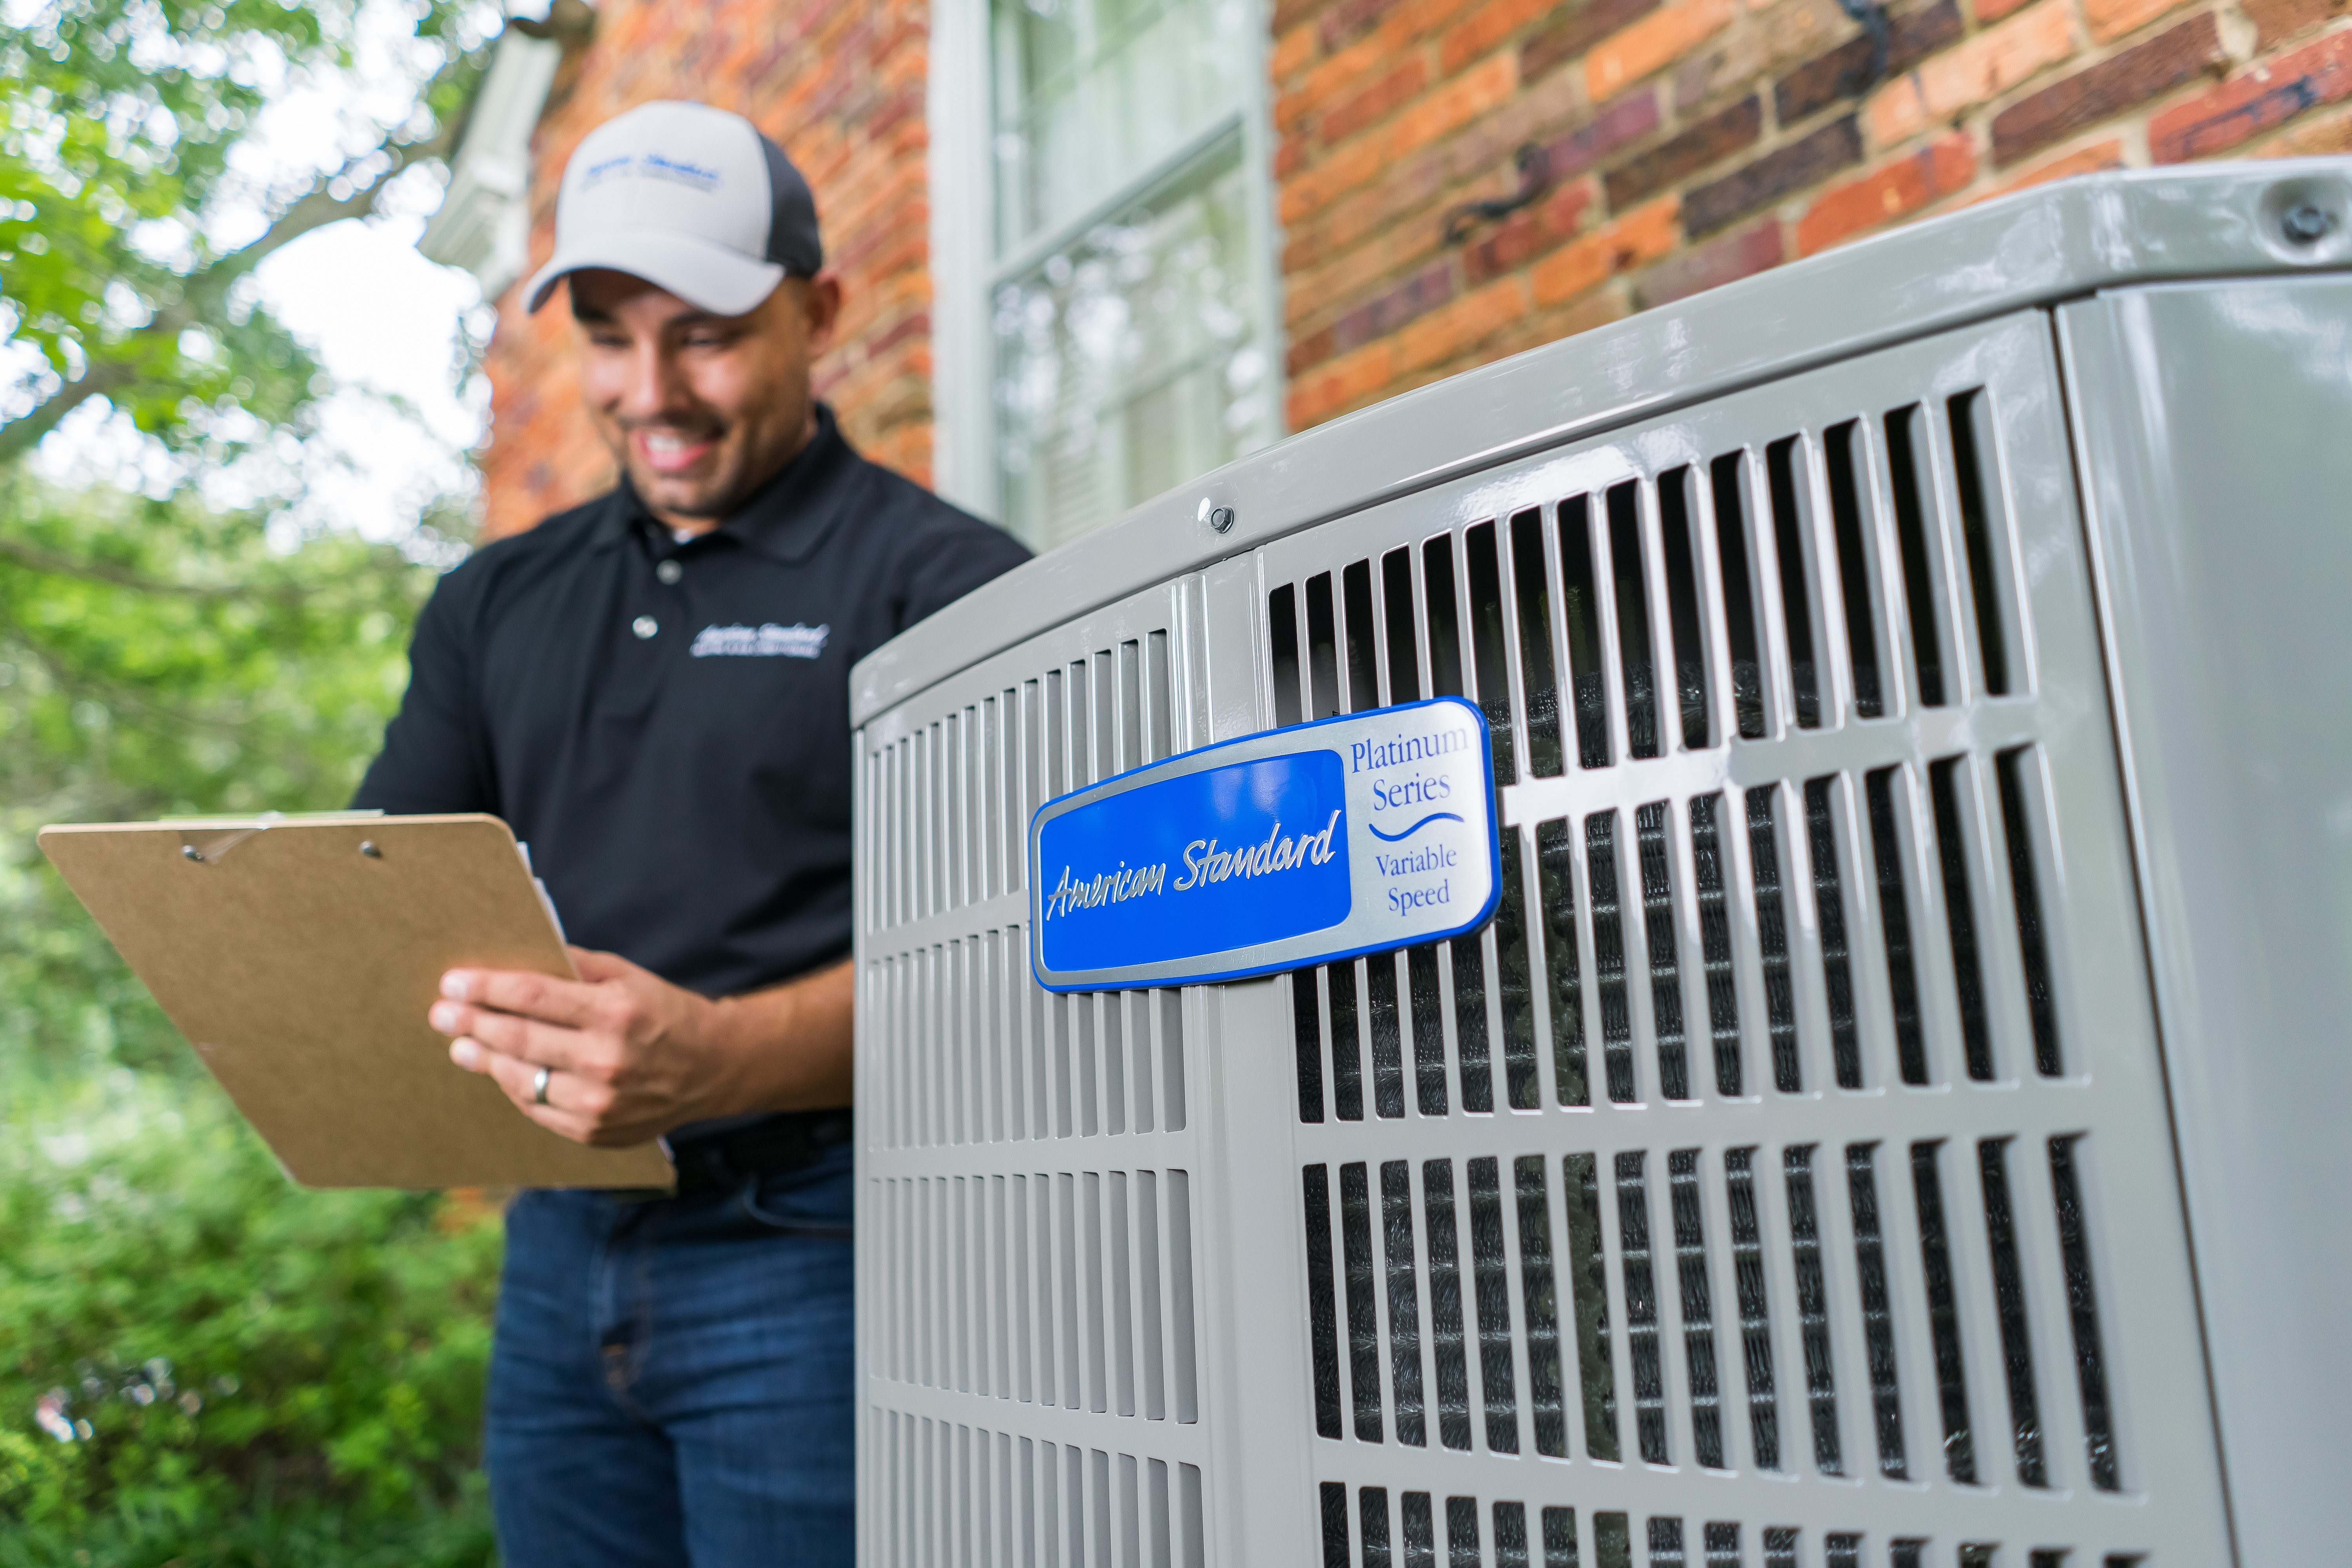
(1030, 1327)
(949, 1492)
(1781, 1177)
(1742, 1192)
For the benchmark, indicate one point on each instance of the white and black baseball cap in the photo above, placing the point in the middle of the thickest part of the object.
(691, 198)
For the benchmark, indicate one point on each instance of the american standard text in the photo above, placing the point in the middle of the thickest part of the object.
(1204, 863)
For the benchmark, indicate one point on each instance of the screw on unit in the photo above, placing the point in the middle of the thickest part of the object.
(191, 852)
(368, 849)
(1221, 519)
(2306, 223)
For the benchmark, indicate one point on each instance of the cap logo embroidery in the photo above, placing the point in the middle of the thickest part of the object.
(768, 641)
(651, 166)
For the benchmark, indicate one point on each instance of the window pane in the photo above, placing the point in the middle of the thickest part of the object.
(1132, 359)
(1090, 94)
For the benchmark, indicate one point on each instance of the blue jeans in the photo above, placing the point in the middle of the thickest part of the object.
(672, 1380)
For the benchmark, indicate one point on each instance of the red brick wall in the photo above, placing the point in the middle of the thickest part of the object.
(1695, 141)
(1690, 142)
(839, 84)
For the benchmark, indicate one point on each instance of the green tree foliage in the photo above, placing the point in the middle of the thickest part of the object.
(169, 661)
(127, 221)
(198, 1363)
(156, 654)
(212, 1369)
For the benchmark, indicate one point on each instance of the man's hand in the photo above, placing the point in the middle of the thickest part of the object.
(630, 1056)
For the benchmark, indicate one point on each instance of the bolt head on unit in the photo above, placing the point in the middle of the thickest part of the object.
(1221, 519)
(2306, 223)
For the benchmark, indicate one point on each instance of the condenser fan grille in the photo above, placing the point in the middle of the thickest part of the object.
(1766, 1180)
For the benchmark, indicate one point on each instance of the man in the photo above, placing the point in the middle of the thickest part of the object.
(652, 690)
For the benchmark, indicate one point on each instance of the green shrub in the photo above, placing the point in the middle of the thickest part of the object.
(271, 1535)
(203, 1363)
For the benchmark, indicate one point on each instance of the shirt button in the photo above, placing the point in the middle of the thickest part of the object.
(644, 625)
(669, 571)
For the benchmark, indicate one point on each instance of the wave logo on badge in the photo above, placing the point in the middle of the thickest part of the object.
(1296, 846)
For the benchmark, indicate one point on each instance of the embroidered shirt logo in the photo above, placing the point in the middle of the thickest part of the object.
(769, 641)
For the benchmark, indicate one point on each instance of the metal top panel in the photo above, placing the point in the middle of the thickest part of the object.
(2054, 243)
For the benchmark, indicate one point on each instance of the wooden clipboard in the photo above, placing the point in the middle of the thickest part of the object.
(299, 956)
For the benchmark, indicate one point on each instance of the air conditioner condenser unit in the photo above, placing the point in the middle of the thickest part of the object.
(1880, 1105)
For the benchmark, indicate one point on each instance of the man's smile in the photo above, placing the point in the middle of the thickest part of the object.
(670, 451)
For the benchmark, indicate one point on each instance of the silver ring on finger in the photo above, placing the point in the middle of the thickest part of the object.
(538, 1084)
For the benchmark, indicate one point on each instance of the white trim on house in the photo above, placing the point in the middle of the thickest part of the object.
(1257, 169)
(484, 221)
(963, 431)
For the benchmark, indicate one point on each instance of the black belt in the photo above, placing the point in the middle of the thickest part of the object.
(723, 1162)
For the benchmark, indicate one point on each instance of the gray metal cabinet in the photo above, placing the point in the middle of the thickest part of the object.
(1884, 1122)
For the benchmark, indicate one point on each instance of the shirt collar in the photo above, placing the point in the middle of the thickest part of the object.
(787, 518)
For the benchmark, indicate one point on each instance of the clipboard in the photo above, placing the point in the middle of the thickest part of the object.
(299, 956)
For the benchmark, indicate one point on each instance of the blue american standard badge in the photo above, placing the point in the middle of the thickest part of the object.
(1296, 846)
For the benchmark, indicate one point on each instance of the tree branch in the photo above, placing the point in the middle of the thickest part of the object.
(571, 22)
(316, 208)
(119, 697)
(207, 287)
(32, 558)
(22, 433)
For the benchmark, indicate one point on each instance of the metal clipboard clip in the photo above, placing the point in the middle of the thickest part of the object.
(208, 840)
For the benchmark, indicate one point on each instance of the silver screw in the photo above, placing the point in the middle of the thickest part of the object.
(1221, 519)
(368, 849)
(190, 852)
(2307, 223)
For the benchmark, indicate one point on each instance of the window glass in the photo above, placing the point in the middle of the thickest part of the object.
(1131, 358)
(1091, 95)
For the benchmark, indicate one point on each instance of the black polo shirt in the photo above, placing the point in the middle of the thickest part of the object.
(666, 725)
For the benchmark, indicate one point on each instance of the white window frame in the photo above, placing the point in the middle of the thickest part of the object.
(965, 272)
